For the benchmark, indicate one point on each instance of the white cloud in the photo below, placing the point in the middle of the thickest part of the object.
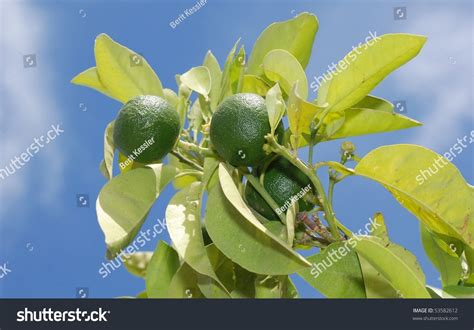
(27, 108)
(442, 75)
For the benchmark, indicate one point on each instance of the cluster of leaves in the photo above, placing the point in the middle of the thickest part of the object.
(234, 252)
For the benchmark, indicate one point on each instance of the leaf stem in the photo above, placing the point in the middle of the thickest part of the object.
(330, 217)
(184, 160)
(193, 147)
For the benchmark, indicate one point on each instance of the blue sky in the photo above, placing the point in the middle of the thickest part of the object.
(53, 247)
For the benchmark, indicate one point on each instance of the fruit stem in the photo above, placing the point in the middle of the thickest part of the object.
(330, 217)
(193, 147)
(255, 182)
(184, 160)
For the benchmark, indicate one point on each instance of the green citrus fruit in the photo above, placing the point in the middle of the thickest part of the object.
(146, 129)
(284, 182)
(238, 129)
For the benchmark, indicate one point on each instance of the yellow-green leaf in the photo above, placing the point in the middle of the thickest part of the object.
(90, 78)
(198, 79)
(106, 165)
(400, 275)
(295, 35)
(137, 263)
(216, 75)
(443, 201)
(366, 66)
(254, 84)
(124, 203)
(245, 244)
(282, 67)
(275, 107)
(124, 73)
(183, 218)
(160, 271)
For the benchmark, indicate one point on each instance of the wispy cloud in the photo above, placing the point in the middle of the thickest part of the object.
(27, 108)
(442, 75)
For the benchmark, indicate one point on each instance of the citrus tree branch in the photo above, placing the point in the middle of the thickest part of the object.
(327, 207)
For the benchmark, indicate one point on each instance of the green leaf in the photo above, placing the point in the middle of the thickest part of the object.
(274, 287)
(437, 293)
(224, 268)
(216, 75)
(254, 84)
(184, 284)
(106, 165)
(183, 218)
(236, 72)
(399, 272)
(244, 283)
(225, 79)
(366, 66)
(198, 79)
(379, 229)
(295, 35)
(232, 194)
(442, 201)
(376, 285)
(124, 73)
(448, 265)
(275, 107)
(282, 67)
(90, 78)
(137, 263)
(126, 164)
(458, 291)
(124, 203)
(162, 267)
(243, 243)
(338, 276)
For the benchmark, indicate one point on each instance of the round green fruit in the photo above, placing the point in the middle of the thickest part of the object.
(146, 129)
(238, 129)
(284, 182)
